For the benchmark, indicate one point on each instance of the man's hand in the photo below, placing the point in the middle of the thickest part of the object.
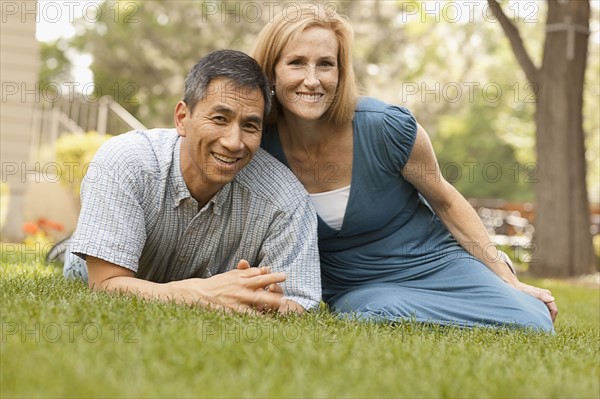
(241, 290)
(286, 306)
(541, 294)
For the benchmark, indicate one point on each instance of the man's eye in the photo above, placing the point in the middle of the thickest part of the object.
(219, 119)
(250, 127)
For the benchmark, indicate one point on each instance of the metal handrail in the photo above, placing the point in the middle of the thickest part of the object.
(125, 116)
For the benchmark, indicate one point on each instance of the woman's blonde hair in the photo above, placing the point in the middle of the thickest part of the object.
(284, 28)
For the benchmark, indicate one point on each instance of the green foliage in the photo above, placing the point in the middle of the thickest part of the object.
(61, 340)
(404, 53)
(75, 151)
(56, 65)
(477, 161)
(143, 51)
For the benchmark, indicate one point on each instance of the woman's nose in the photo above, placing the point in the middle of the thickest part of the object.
(310, 77)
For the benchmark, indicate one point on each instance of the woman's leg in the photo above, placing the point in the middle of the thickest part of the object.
(462, 292)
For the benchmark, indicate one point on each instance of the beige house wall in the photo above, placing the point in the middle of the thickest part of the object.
(19, 63)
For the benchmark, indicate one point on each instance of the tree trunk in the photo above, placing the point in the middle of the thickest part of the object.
(562, 241)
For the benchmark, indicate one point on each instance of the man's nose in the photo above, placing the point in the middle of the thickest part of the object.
(232, 139)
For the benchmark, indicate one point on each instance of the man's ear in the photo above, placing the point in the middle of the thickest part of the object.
(181, 112)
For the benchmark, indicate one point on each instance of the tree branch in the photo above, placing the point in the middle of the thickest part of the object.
(512, 33)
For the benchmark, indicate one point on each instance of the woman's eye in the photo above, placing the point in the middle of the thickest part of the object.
(295, 62)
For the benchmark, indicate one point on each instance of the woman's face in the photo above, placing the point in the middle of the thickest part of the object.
(306, 75)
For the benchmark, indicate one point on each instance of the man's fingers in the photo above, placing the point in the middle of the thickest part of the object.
(243, 290)
(260, 277)
(262, 297)
(265, 280)
(254, 271)
(274, 288)
(243, 265)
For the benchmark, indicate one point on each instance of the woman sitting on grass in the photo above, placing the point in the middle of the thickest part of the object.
(396, 240)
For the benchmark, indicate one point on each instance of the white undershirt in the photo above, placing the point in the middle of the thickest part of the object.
(331, 206)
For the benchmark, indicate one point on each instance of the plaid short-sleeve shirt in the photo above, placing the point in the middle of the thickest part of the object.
(137, 212)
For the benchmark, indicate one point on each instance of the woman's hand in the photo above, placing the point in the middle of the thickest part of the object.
(541, 294)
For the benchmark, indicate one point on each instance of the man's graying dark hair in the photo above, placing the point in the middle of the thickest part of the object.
(234, 65)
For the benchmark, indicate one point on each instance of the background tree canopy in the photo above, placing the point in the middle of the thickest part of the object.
(449, 62)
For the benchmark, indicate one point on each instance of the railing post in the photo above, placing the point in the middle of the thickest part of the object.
(102, 116)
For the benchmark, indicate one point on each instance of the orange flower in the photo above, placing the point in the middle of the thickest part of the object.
(50, 224)
(30, 228)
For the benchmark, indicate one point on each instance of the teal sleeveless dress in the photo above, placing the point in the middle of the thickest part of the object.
(393, 259)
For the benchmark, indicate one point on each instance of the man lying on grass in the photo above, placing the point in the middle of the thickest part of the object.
(181, 214)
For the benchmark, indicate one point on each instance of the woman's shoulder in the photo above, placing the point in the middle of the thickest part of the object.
(388, 130)
(370, 105)
(372, 109)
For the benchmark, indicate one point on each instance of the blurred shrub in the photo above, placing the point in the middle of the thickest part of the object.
(75, 151)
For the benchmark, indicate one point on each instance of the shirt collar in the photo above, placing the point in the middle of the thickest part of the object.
(180, 190)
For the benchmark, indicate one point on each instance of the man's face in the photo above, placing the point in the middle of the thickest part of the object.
(220, 136)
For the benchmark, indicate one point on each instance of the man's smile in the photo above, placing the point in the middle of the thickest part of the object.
(224, 159)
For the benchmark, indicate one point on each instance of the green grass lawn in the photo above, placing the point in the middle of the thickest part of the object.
(61, 340)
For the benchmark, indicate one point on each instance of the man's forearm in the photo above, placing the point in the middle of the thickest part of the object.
(240, 290)
(143, 288)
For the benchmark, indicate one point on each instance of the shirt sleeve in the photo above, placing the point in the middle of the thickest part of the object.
(399, 129)
(111, 221)
(292, 248)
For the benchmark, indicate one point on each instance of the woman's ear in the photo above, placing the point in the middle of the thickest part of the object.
(181, 113)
